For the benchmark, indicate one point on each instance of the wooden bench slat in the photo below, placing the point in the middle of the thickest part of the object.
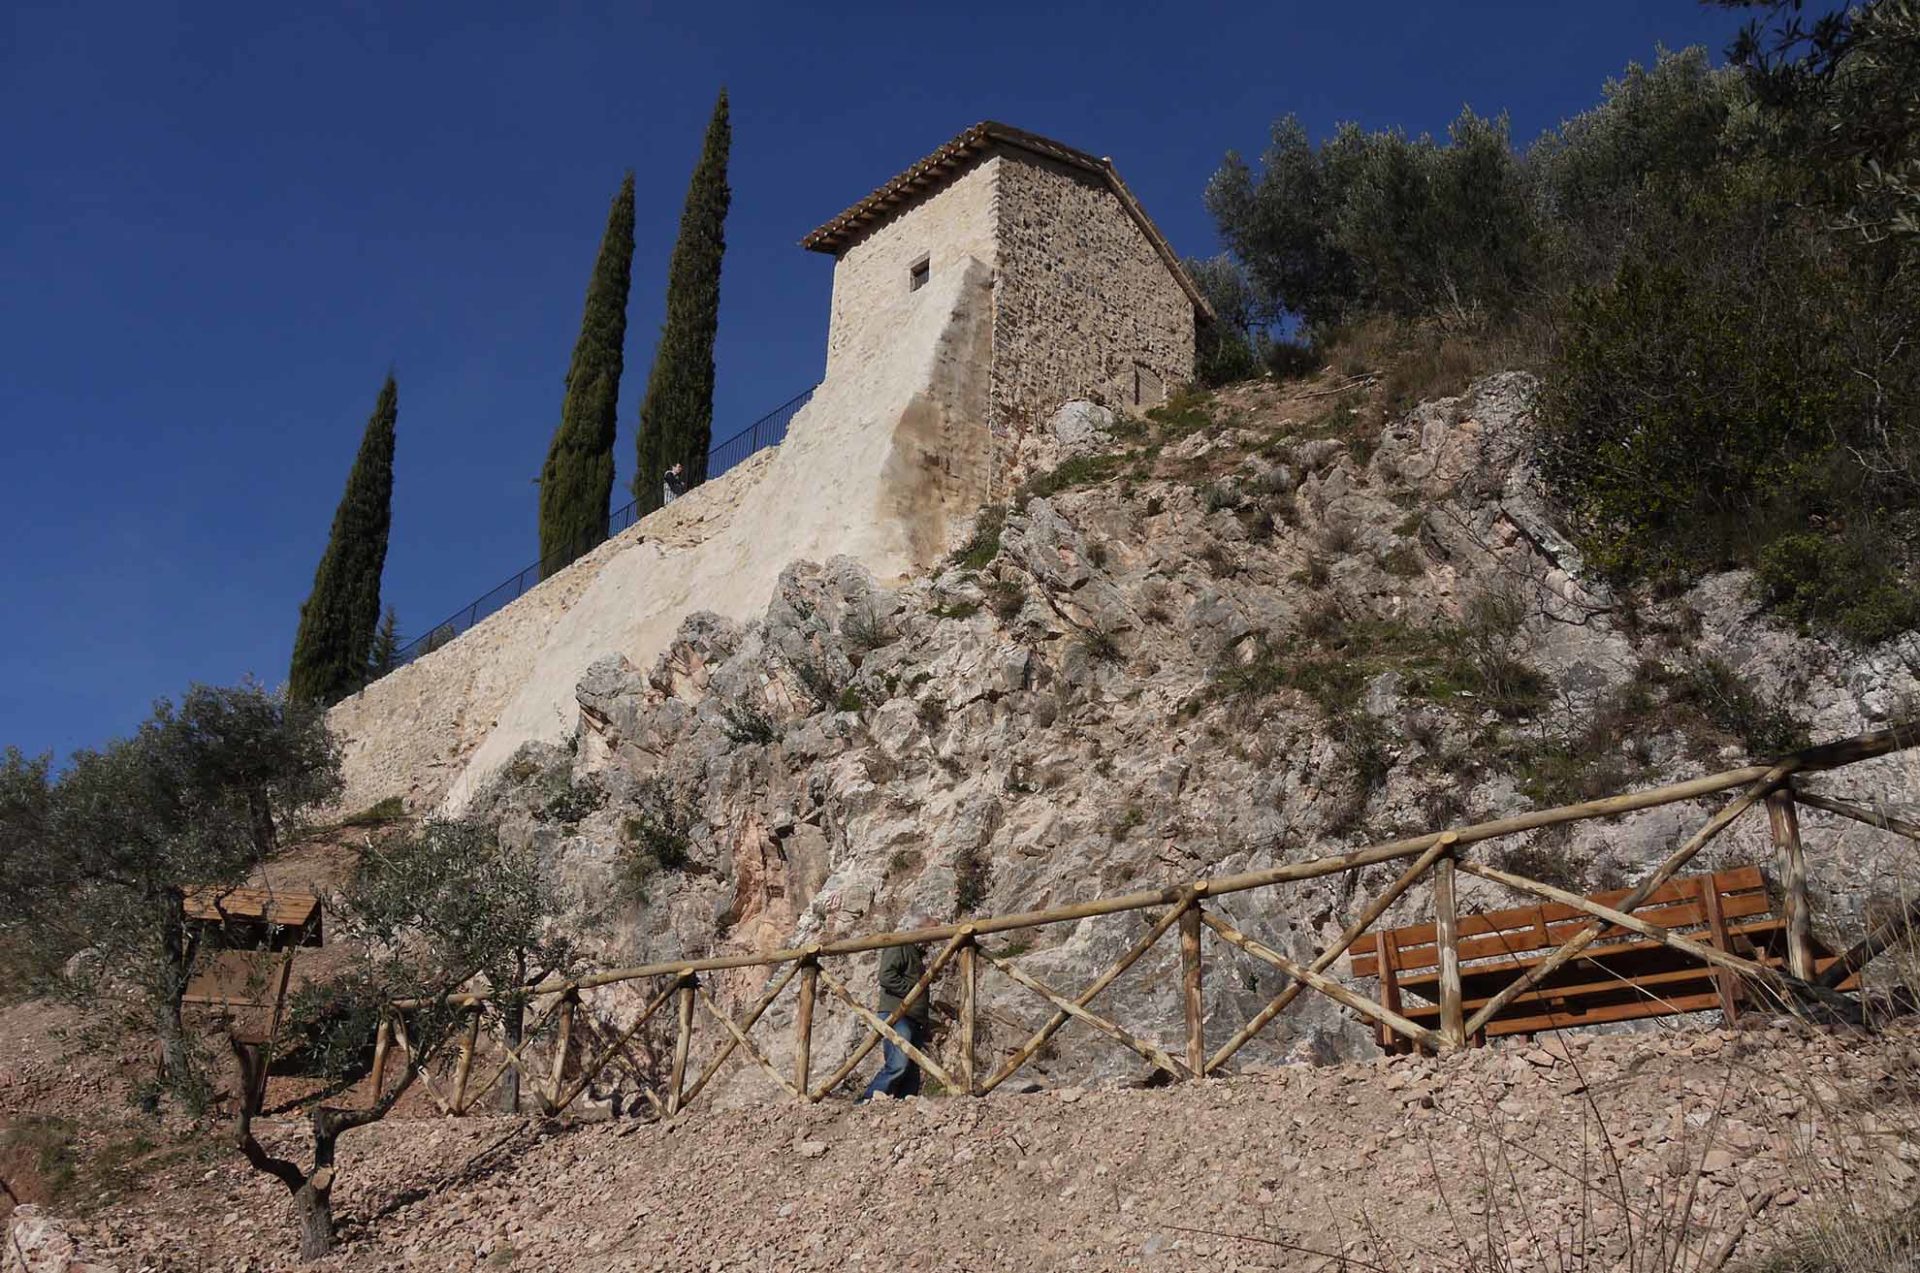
(1740, 880)
(1621, 976)
(1680, 917)
(1424, 1010)
(1614, 949)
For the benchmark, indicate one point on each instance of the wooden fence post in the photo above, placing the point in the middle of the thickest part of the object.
(382, 1040)
(969, 980)
(682, 1039)
(1191, 969)
(1793, 868)
(1447, 946)
(803, 1026)
(561, 1046)
(467, 1043)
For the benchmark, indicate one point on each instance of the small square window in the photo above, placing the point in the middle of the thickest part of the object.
(918, 275)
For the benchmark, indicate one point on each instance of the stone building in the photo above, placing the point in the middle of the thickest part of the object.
(1088, 300)
(973, 294)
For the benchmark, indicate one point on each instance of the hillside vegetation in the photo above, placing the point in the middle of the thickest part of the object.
(1716, 273)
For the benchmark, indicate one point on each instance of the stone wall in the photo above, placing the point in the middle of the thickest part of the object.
(411, 732)
(886, 464)
(872, 296)
(1085, 307)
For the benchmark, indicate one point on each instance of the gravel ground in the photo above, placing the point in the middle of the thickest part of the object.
(1407, 1163)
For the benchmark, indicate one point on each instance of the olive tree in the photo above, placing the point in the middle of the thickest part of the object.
(97, 859)
(430, 912)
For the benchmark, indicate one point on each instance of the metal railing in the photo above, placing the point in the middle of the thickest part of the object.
(565, 1042)
(768, 430)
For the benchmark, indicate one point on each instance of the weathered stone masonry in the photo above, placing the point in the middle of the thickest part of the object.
(1084, 307)
(1088, 299)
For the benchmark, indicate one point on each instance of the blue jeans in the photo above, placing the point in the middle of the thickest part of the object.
(899, 1076)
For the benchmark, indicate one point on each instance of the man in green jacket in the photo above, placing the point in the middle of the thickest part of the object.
(901, 968)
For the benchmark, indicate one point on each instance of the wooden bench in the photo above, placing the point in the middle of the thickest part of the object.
(1622, 976)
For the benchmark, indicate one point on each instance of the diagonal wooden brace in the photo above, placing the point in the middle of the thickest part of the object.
(1643, 890)
(1154, 1053)
(1713, 956)
(1870, 817)
(738, 1032)
(1331, 955)
(1327, 985)
(1167, 920)
(405, 1044)
(882, 1028)
(872, 1041)
(517, 1056)
(592, 1070)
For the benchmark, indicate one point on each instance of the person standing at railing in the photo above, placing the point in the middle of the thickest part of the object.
(675, 484)
(901, 968)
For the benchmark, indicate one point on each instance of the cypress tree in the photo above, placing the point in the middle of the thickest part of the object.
(335, 640)
(385, 654)
(676, 417)
(578, 475)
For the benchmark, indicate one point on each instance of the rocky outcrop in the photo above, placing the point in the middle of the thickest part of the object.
(38, 1243)
(1198, 646)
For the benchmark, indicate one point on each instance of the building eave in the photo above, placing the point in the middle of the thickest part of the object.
(952, 159)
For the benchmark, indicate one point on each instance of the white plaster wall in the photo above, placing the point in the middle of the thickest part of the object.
(410, 733)
(871, 300)
(885, 464)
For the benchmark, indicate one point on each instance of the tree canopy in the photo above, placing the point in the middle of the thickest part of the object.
(676, 417)
(577, 479)
(337, 622)
(97, 860)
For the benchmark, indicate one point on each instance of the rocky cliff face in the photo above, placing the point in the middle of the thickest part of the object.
(1245, 632)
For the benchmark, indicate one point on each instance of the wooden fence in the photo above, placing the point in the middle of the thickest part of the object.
(570, 1065)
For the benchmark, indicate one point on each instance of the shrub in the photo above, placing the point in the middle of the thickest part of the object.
(1820, 582)
(1101, 645)
(863, 630)
(984, 544)
(1184, 413)
(1005, 597)
(388, 809)
(818, 677)
(972, 877)
(569, 802)
(1081, 470)
(747, 723)
(1767, 726)
(1403, 562)
(658, 836)
(1547, 857)
(1483, 655)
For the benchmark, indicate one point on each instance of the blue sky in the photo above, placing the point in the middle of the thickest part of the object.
(221, 224)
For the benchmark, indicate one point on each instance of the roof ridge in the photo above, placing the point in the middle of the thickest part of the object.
(945, 162)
